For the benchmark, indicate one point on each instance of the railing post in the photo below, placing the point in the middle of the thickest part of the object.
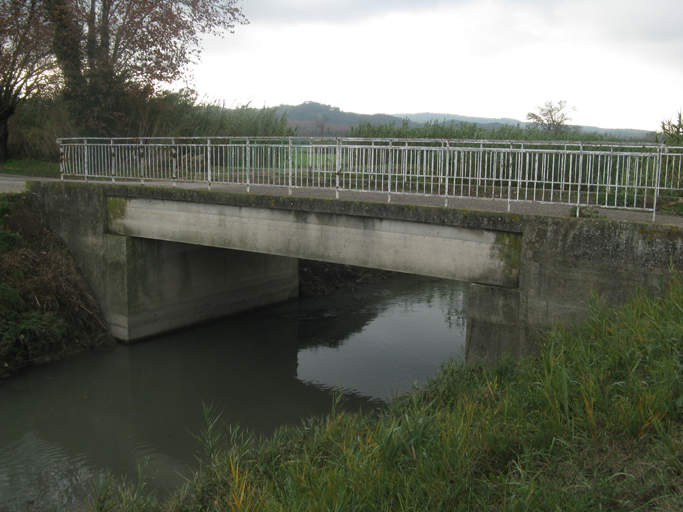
(658, 177)
(389, 174)
(290, 167)
(85, 160)
(61, 160)
(174, 158)
(208, 161)
(141, 159)
(578, 186)
(338, 150)
(247, 162)
(112, 153)
(447, 171)
(510, 174)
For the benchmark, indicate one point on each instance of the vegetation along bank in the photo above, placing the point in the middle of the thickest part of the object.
(46, 308)
(593, 422)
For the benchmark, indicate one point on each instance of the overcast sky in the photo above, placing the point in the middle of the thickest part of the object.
(619, 63)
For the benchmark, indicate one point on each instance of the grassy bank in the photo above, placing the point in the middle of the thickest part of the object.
(594, 422)
(46, 309)
(27, 167)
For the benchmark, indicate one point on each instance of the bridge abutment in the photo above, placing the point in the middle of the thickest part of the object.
(146, 287)
(156, 286)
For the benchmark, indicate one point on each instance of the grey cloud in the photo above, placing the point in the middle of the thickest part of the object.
(333, 11)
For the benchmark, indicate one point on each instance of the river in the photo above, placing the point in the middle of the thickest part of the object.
(66, 423)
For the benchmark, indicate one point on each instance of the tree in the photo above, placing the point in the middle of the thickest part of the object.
(109, 48)
(26, 62)
(321, 122)
(552, 118)
(673, 130)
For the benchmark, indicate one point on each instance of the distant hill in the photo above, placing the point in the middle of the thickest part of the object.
(621, 133)
(427, 116)
(311, 117)
(489, 122)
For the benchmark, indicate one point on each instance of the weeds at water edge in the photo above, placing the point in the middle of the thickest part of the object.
(594, 422)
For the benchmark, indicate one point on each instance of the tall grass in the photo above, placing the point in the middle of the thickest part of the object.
(472, 131)
(594, 422)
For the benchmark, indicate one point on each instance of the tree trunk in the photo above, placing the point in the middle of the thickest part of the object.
(4, 137)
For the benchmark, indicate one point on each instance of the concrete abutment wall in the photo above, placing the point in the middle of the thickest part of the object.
(146, 287)
(564, 264)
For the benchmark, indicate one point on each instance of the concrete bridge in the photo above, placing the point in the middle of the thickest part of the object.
(159, 259)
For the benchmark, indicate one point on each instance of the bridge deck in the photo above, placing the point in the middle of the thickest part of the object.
(12, 183)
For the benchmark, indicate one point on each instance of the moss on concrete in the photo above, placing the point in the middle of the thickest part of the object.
(116, 208)
(509, 248)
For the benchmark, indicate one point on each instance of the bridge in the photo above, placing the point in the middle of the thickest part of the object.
(161, 258)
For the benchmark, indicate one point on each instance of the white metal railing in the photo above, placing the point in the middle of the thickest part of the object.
(608, 175)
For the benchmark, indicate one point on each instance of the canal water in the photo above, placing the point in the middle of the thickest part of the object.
(64, 424)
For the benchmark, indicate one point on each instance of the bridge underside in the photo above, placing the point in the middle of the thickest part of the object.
(451, 252)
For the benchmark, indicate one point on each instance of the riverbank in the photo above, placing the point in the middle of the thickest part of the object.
(594, 422)
(46, 309)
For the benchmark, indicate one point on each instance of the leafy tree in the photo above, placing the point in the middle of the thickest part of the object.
(108, 49)
(672, 129)
(552, 118)
(26, 59)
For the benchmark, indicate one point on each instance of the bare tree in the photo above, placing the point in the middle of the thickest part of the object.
(26, 62)
(552, 118)
(321, 123)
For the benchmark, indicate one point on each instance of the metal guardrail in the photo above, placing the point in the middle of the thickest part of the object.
(608, 175)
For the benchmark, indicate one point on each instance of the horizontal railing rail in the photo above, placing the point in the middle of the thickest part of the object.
(608, 175)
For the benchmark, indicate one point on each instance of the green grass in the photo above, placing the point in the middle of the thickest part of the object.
(30, 168)
(594, 422)
(674, 209)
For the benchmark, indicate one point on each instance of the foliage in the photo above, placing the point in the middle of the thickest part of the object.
(45, 305)
(8, 241)
(36, 126)
(672, 208)
(28, 335)
(40, 121)
(586, 213)
(472, 131)
(552, 118)
(594, 422)
(31, 168)
(672, 130)
(179, 114)
(112, 50)
(26, 62)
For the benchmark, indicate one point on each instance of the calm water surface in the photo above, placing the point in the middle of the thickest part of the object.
(66, 423)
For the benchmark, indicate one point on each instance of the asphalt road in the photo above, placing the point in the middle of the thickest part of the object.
(13, 183)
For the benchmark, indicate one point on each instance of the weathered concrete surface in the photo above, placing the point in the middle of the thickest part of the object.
(146, 287)
(551, 265)
(564, 262)
(451, 252)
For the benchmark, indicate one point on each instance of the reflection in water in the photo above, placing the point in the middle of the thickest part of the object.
(65, 423)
